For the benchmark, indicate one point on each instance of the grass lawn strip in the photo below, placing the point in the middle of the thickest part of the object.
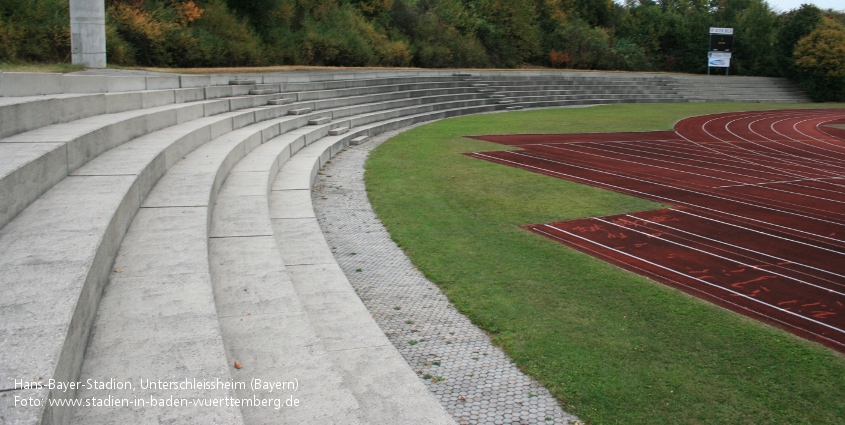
(612, 346)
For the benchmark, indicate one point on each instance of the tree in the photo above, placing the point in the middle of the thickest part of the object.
(795, 25)
(508, 30)
(820, 60)
(755, 31)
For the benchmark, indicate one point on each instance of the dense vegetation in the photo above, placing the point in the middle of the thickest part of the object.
(807, 44)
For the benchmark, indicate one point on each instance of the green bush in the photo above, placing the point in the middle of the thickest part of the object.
(225, 39)
(438, 44)
(820, 60)
(34, 31)
(336, 41)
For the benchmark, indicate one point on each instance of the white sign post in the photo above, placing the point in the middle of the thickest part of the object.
(721, 47)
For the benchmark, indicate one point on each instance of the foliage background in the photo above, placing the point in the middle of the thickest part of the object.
(804, 44)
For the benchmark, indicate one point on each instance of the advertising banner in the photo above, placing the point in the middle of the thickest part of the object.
(719, 60)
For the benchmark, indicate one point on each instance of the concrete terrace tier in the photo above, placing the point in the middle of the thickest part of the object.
(157, 229)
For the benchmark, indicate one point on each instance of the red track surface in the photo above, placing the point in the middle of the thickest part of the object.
(758, 224)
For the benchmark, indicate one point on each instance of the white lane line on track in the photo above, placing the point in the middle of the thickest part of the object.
(703, 128)
(805, 158)
(761, 232)
(835, 139)
(839, 151)
(755, 153)
(713, 285)
(829, 142)
(666, 199)
(742, 248)
(744, 199)
(588, 143)
(676, 282)
(726, 163)
(721, 257)
(681, 149)
(710, 176)
(780, 116)
(822, 180)
(807, 154)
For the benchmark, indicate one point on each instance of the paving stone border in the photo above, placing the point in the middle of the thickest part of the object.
(474, 380)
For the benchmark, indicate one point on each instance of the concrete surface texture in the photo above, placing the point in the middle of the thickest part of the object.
(158, 244)
(473, 379)
(88, 33)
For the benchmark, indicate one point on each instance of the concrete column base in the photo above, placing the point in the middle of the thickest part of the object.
(88, 33)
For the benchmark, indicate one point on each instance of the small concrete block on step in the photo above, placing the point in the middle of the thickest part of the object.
(462, 74)
(504, 101)
(337, 131)
(261, 91)
(497, 96)
(513, 108)
(480, 85)
(486, 90)
(283, 101)
(319, 121)
(358, 140)
(241, 82)
(299, 111)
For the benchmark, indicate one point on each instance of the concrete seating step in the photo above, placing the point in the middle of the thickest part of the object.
(504, 101)
(480, 85)
(340, 84)
(514, 108)
(32, 162)
(338, 130)
(496, 96)
(299, 111)
(354, 342)
(318, 121)
(262, 91)
(371, 90)
(282, 101)
(110, 161)
(20, 114)
(168, 191)
(358, 140)
(257, 304)
(382, 100)
(89, 213)
(36, 160)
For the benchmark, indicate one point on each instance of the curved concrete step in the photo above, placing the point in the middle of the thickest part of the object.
(375, 89)
(373, 80)
(383, 384)
(34, 161)
(165, 284)
(263, 324)
(20, 114)
(173, 208)
(66, 264)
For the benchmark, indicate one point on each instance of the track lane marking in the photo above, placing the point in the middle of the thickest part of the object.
(731, 291)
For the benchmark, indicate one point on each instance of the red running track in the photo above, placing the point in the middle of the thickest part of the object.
(758, 217)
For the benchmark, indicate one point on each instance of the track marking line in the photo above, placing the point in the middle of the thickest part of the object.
(733, 260)
(782, 261)
(730, 291)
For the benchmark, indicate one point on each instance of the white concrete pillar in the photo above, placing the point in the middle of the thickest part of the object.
(88, 33)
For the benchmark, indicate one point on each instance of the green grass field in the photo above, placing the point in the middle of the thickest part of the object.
(613, 347)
